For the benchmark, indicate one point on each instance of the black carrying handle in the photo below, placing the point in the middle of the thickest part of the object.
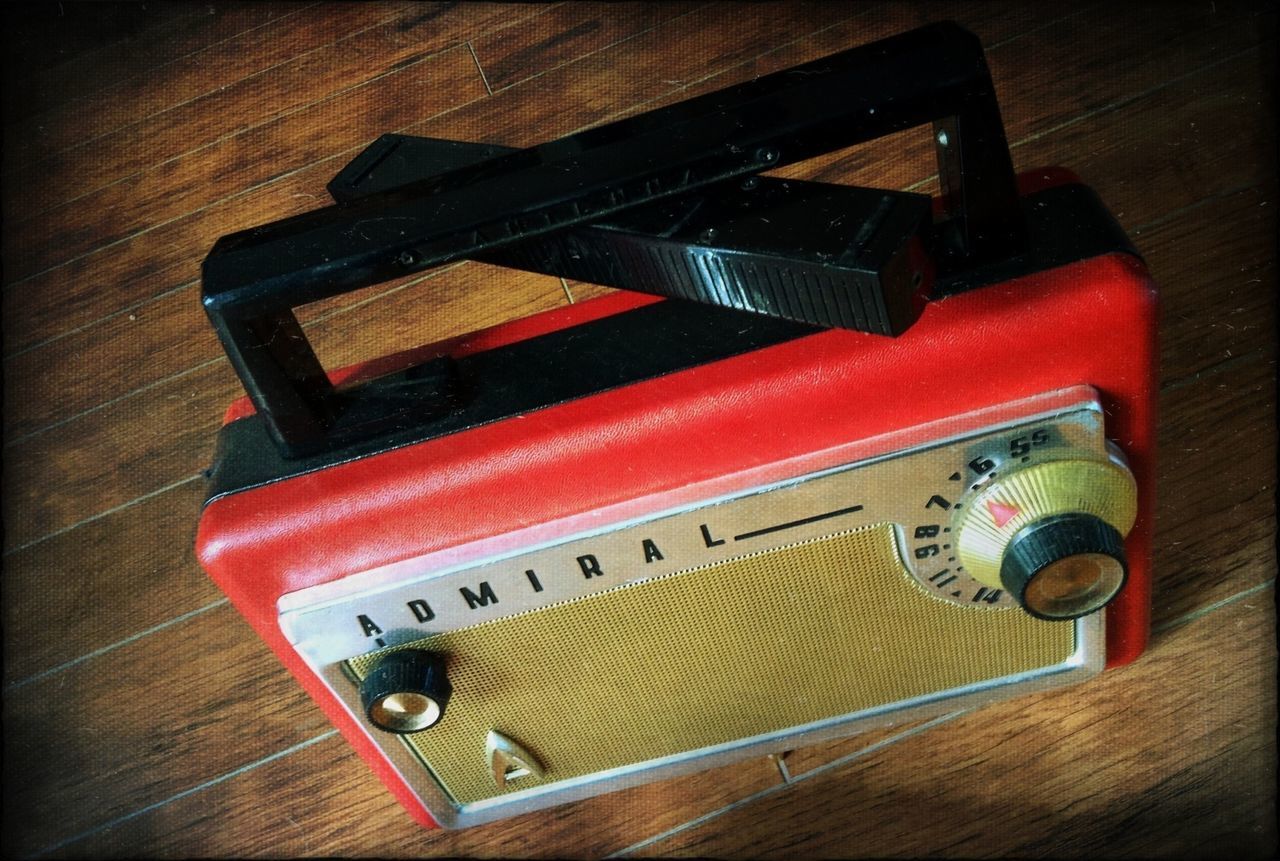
(253, 279)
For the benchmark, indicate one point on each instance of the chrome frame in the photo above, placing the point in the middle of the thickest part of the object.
(317, 621)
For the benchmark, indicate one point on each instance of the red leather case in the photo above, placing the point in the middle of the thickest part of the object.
(1090, 322)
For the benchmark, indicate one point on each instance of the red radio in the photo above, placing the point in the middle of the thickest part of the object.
(863, 456)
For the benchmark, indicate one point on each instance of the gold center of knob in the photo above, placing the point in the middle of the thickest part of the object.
(1065, 588)
(405, 711)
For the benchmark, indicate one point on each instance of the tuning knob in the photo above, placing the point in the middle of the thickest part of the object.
(406, 691)
(1051, 534)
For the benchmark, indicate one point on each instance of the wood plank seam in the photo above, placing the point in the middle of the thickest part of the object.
(1083, 9)
(613, 44)
(498, 27)
(1216, 369)
(1207, 200)
(111, 647)
(127, 309)
(479, 68)
(208, 784)
(101, 514)
(1121, 103)
(1199, 613)
(186, 372)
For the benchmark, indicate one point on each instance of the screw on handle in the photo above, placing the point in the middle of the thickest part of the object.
(252, 279)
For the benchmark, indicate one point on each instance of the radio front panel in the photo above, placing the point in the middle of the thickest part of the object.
(823, 602)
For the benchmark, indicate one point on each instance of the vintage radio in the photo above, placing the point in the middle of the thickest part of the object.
(865, 456)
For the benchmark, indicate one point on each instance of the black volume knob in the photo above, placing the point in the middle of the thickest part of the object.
(1064, 566)
(406, 691)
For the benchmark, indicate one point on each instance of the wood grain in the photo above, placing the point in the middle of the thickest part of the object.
(161, 38)
(240, 39)
(167, 696)
(242, 159)
(186, 738)
(563, 34)
(142, 443)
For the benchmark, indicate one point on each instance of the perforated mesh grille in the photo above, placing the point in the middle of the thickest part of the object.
(709, 655)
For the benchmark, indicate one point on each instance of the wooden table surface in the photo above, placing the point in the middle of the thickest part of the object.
(141, 714)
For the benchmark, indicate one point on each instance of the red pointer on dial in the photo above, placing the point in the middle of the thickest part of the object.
(1001, 513)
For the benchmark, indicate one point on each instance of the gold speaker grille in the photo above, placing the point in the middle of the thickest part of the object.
(709, 655)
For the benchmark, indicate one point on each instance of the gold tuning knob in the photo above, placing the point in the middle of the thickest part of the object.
(1051, 534)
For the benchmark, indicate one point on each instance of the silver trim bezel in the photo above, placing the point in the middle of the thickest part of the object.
(307, 617)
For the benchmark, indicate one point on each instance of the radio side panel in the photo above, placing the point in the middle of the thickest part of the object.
(1090, 323)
